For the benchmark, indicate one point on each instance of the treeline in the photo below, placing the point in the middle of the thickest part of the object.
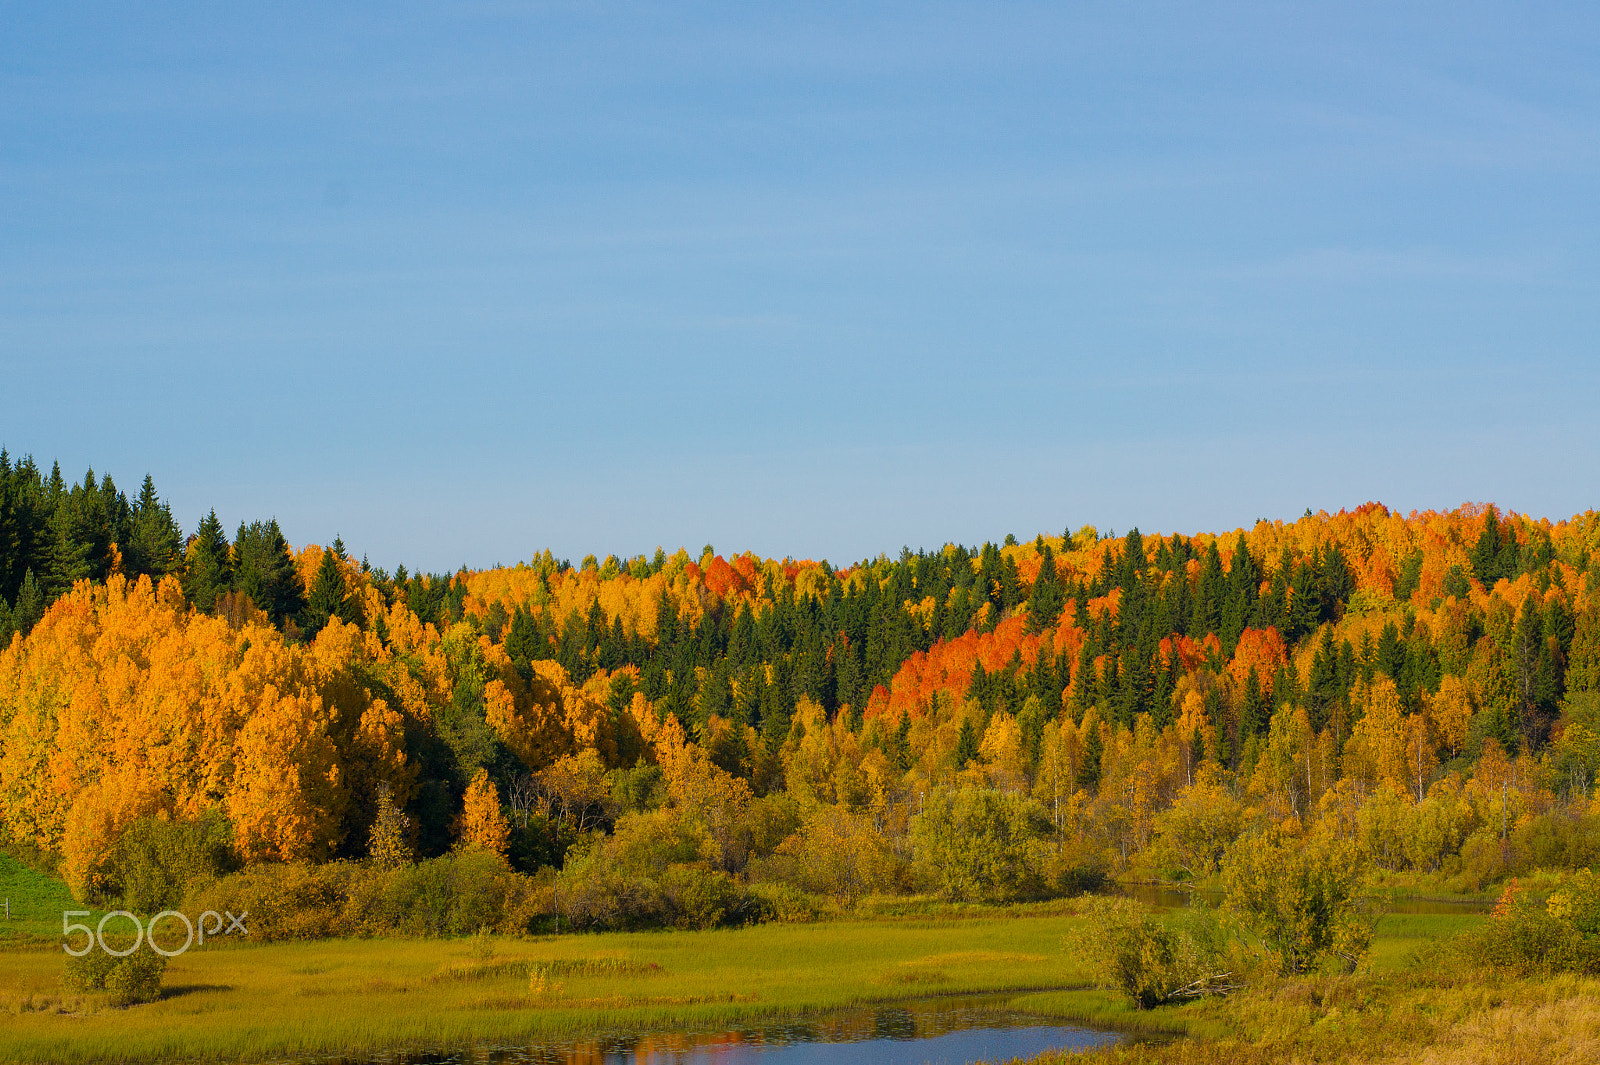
(54, 534)
(1427, 684)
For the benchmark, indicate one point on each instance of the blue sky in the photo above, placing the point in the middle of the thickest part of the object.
(462, 282)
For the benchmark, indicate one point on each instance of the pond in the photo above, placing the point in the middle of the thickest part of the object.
(938, 1031)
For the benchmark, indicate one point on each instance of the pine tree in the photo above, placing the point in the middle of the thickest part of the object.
(68, 559)
(1046, 599)
(900, 749)
(1338, 583)
(1305, 603)
(1207, 612)
(1583, 661)
(1486, 553)
(329, 595)
(30, 604)
(154, 546)
(522, 641)
(1093, 752)
(1252, 707)
(966, 744)
(264, 570)
(13, 525)
(209, 569)
(1533, 671)
(1238, 605)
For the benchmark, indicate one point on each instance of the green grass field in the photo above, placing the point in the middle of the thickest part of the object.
(37, 903)
(235, 1001)
(238, 1002)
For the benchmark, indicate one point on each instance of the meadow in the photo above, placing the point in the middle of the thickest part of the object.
(237, 1001)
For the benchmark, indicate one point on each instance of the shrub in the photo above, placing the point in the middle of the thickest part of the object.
(1553, 926)
(1300, 896)
(457, 894)
(133, 979)
(1078, 870)
(703, 898)
(89, 972)
(1558, 839)
(297, 901)
(834, 852)
(596, 897)
(1152, 962)
(136, 978)
(155, 861)
(978, 843)
(785, 903)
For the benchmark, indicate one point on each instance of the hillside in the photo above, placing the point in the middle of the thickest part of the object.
(1427, 679)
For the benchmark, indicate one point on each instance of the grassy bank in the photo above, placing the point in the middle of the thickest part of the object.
(1424, 998)
(37, 902)
(1452, 1017)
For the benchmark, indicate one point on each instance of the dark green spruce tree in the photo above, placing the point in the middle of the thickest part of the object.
(330, 595)
(155, 543)
(209, 572)
(29, 607)
(264, 570)
(67, 560)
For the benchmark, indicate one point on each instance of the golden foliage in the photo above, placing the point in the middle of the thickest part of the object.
(483, 825)
(124, 703)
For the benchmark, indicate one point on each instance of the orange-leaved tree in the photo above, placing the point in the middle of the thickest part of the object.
(483, 825)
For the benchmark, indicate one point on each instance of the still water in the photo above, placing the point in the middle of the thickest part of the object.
(948, 1031)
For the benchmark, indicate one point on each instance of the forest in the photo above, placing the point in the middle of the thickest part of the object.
(699, 739)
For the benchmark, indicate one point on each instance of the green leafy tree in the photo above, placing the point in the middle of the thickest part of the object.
(978, 843)
(1196, 831)
(155, 861)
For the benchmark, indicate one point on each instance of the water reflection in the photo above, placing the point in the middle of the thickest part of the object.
(894, 1023)
(952, 1031)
